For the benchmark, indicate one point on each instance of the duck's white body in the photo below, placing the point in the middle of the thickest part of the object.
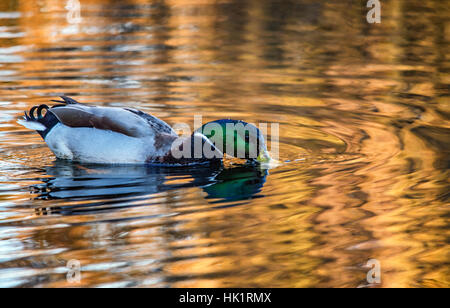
(105, 135)
(93, 145)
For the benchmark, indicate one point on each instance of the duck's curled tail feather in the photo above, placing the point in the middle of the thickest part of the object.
(38, 121)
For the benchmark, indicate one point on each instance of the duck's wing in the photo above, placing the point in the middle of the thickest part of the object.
(105, 118)
(157, 124)
(125, 121)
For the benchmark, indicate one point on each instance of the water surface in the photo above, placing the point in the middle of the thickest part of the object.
(364, 133)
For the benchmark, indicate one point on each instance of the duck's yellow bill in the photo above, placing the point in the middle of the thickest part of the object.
(264, 157)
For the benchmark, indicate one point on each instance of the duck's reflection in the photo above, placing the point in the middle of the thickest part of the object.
(88, 187)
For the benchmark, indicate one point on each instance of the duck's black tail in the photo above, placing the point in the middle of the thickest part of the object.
(36, 120)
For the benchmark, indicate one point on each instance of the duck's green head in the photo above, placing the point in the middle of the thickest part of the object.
(237, 138)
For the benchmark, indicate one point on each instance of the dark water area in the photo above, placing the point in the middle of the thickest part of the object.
(363, 112)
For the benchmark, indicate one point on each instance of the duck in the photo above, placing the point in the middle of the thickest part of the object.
(121, 135)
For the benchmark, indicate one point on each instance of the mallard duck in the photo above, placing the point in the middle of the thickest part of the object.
(112, 135)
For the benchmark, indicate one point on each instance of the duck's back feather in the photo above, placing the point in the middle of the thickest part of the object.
(157, 124)
(105, 118)
(127, 121)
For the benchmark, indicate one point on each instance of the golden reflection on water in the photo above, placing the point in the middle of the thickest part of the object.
(363, 112)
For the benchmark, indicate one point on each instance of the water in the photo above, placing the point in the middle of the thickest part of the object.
(364, 134)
